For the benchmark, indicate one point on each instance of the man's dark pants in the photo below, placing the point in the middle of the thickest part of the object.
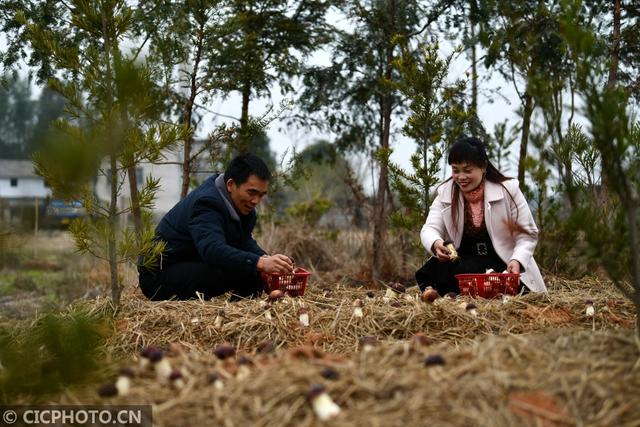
(182, 280)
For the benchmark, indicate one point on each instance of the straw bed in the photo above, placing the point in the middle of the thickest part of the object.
(334, 328)
(561, 377)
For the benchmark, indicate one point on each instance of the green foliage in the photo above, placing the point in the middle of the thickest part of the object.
(55, 352)
(499, 145)
(310, 212)
(437, 118)
(113, 108)
(24, 122)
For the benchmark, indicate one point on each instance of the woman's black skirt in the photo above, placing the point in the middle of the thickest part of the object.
(475, 256)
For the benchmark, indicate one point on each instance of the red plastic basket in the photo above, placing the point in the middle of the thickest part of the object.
(488, 285)
(292, 284)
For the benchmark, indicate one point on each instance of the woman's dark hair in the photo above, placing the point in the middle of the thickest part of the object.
(244, 165)
(471, 150)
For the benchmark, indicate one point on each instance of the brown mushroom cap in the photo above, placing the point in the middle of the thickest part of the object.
(275, 295)
(368, 340)
(212, 377)
(315, 391)
(430, 295)
(371, 294)
(107, 390)
(175, 374)
(245, 360)
(471, 306)
(329, 373)
(397, 287)
(302, 310)
(358, 303)
(434, 360)
(224, 351)
(421, 339)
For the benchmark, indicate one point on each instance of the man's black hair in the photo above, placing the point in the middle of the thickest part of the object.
(244, 165)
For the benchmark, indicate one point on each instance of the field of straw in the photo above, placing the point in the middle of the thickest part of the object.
(537, 360)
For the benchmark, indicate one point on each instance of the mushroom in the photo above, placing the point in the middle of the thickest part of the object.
(303, 316)
(393, 289)
(176, 379)
(215, 379)
(329, 373)
(326, 292)
(123, 382)
(420, 339)
(430, 295)
(396, 304)
(322, 404)
(217, 323)
(434, 360)
(108, 390)
(472, 309)
(371, 294)
(145, 354)
(161, 365)
(224, 351)
(590, 309)
(275, 295)
(357, 308)
(450, 295)
(244, 368)
(453, 253)
(267, 311)
(367, 343)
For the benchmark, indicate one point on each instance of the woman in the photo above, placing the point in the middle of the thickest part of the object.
(486, 217)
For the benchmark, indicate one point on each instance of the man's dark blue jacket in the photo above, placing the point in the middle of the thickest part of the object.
(205, 227)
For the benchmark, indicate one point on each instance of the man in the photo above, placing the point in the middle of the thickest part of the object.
(210, 248)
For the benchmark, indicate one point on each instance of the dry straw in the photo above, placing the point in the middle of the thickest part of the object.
(556, 378)
(200, 325)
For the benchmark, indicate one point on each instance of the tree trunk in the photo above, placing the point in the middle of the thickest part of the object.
(379, 220)
(524, 141)
(188, 114)
(474, 71)
(614, 52)
(113, 173)
(111, 240)
(244, 117)
(135, 202)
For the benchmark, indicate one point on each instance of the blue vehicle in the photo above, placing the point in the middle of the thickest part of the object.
(60, 213)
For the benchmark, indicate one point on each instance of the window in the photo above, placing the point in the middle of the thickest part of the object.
(14, 182)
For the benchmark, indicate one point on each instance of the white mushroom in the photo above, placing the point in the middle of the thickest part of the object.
(303, 316)
(472, 309)
(590, 309)
(357, 308)
(123, 382)
(322, 404)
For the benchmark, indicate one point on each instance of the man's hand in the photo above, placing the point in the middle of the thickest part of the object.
(440, 251)
(513, 266)
(277, 263)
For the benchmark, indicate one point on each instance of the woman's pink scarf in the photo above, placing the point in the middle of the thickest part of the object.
(475, 200)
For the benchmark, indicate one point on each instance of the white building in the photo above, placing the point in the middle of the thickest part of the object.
(18, 180)
(22, 192)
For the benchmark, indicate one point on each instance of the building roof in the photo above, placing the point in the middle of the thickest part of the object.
(17, 169)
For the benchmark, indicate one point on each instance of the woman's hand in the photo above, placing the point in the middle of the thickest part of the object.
(277, 263)
(513, 266)
(440, 251)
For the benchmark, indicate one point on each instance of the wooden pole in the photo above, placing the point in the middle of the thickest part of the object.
(35, 228)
